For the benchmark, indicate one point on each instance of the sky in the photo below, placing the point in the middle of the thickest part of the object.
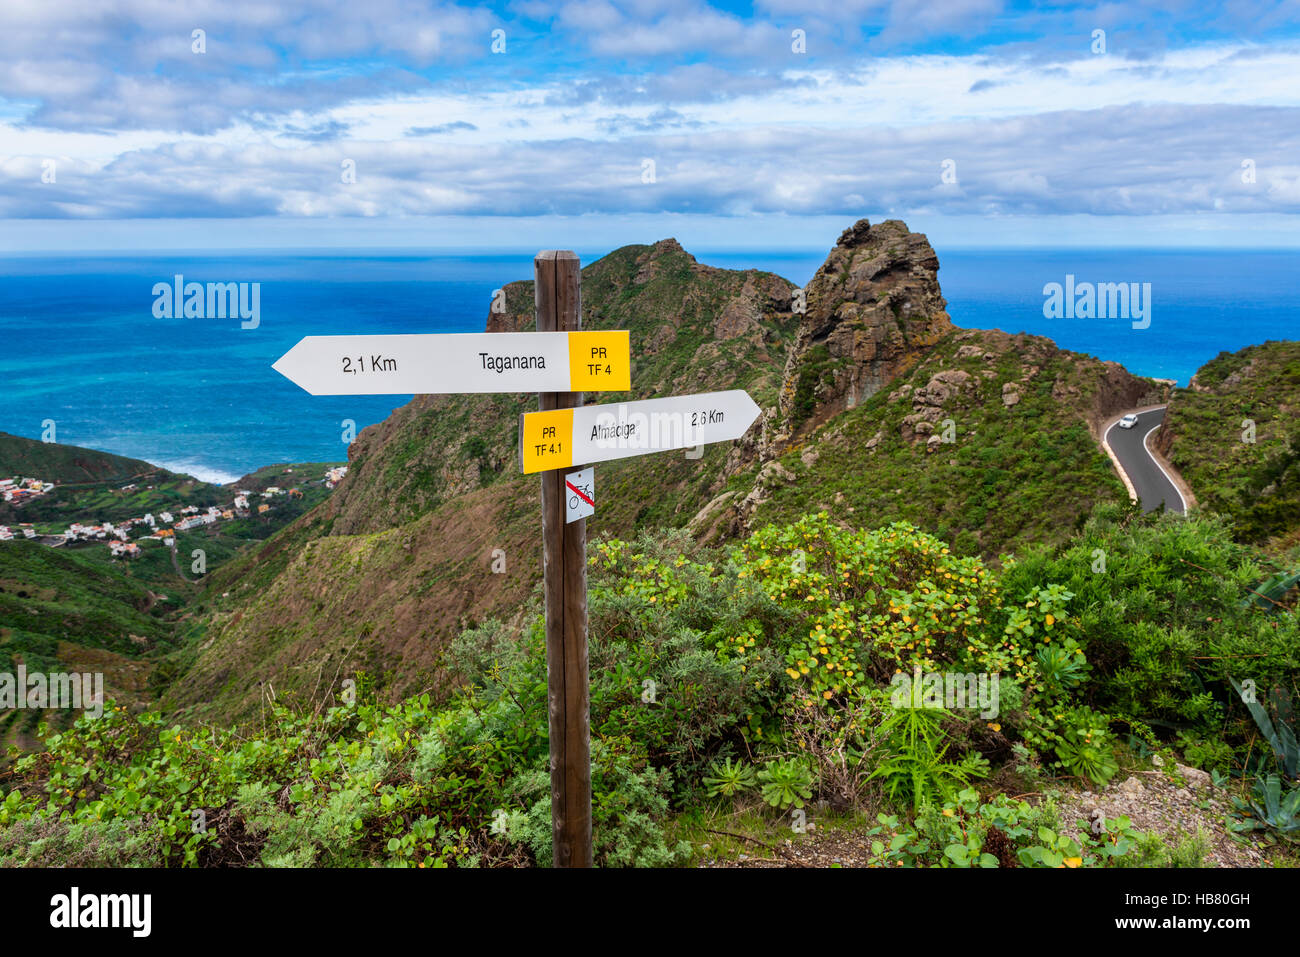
(155, 124)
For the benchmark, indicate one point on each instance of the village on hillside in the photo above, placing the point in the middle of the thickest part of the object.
(125, 537)
(17, 490)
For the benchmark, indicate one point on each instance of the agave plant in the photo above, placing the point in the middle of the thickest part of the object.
(1087, 752)
(1268, 595)
(1281, 737)
(1270, 809)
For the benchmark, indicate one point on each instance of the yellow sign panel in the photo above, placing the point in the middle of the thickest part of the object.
(599, 362)
(546, 439)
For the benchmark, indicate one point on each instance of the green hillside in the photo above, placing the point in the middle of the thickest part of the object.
(93, 486)
(64, 610)
(988, 441)
(53, 462)
(59, 594)
(75, 607)
(1234, 433)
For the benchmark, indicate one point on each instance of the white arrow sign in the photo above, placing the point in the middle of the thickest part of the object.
(460, 362)
(560, 438)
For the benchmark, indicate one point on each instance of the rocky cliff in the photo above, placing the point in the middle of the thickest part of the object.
(873, 308)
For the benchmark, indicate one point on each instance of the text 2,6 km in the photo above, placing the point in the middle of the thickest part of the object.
(706, 417)
(375, 363)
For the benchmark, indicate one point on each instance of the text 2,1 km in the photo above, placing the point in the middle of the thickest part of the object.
(352, 366)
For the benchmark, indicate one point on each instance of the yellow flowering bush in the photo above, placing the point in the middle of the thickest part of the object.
(887, 600)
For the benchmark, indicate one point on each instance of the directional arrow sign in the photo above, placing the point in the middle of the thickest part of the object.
(598, 433)
(460, 362)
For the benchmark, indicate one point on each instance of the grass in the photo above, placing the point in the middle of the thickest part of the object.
(717, 832)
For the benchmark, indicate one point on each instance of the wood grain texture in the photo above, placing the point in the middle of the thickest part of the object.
(564, 556)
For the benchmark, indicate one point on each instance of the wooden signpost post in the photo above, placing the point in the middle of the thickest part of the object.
(559, 362)
(564, 560)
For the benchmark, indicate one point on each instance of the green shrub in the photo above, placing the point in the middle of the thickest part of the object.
(967, 831)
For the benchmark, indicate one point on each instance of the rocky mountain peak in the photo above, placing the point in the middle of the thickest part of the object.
(872, 309)
(669, 245)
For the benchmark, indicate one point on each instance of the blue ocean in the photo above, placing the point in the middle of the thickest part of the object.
(84, 349)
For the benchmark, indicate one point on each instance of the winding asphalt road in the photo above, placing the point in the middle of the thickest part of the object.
(1152, 484)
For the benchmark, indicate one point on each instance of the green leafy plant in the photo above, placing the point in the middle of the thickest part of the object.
(1063, 666)
(967, 831)
(728, 778)
(915, 770)
(1085, 746)
(787, 782)
(1268, 595)
(1053, 850)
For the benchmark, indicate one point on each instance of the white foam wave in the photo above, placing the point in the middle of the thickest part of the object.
(204, 473)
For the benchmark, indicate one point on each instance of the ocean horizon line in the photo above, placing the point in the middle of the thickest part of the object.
(510, 252)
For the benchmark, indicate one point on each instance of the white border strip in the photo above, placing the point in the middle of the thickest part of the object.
(1157, 461)
(1114, 459)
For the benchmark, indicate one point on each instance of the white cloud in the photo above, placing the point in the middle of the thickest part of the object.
(245, 132)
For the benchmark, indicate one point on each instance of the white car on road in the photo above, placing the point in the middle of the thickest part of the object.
(1128, 421)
